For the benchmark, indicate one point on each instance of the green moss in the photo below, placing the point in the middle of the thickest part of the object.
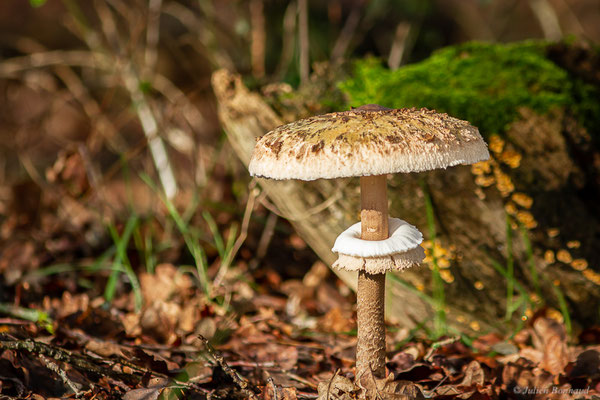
(483, 83)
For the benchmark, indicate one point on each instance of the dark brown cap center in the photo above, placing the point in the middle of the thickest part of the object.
(372, 107)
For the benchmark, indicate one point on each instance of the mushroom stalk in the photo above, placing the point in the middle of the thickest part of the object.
(370, 347)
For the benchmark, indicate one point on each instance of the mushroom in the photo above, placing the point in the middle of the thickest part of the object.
(370, 141)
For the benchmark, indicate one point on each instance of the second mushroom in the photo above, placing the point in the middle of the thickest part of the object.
(369, 142)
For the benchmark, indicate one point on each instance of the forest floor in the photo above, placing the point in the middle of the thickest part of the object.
(263, 330)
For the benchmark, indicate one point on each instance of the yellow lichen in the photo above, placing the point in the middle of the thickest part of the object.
(496, 144)
(526, 219)
(552, 232)
(485, 181)
(522, 199)
(564, 256)
(592, 276)
(511, 158)
(447, 276)
(549, 257)
(554, 314)
(579, 264)
(479, 193)
(443, 263)
(510, 208)
(480, 168)
(475, 325)
(503, 183)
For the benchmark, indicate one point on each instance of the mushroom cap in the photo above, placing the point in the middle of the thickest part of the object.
(369, 140)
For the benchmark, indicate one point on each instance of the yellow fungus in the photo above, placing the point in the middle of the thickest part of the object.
(564, 256)
(522, 199)
(485, 181)
(549, 257)
(496, 144)
(554, 314)
(573, 244)
(553, 232)
(592, 276)
(526, 219)
(503, 183)
(480, 168)
(479, 285)
(479, 193)
(447, 276)
(443, 263)
(475, 325)
(511, 158)
(579, 264)
(510, 208)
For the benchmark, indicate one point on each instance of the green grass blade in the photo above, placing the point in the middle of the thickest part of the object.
(121, 262)
(564, 309)
(440, 325)
(531, 261)
(191, 240)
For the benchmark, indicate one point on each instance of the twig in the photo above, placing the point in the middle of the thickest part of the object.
(399, 45)
(343, 41)
(297, 378)
(271, 382)
(330, 382)
(265, 240)
(303, 40)
(152, 35)
(239, 380)
(429, 356)
(287, 47)
(52, 366)
(253, 193)
(547, 18)
(59, 354)
(257, 45)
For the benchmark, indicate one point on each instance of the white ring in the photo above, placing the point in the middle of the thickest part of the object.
(403, 237)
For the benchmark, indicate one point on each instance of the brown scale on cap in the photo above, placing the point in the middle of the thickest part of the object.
(368, 140)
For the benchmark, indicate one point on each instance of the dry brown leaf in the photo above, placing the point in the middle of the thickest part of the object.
(550, 338)
(159, 319)
(336, 321)
(474, 375)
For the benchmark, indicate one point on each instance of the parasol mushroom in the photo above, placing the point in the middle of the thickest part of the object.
(370, 141)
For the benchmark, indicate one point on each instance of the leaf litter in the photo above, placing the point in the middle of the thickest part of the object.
(264, 334)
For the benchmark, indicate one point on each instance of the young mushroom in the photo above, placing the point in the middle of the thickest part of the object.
(370, 142)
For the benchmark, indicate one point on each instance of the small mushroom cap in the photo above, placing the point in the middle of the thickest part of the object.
(369, 140)
(402, 237)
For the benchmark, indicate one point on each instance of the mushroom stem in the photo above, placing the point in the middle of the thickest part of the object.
(370, 347)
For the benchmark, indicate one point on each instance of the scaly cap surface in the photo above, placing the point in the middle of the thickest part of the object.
(369, 140)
